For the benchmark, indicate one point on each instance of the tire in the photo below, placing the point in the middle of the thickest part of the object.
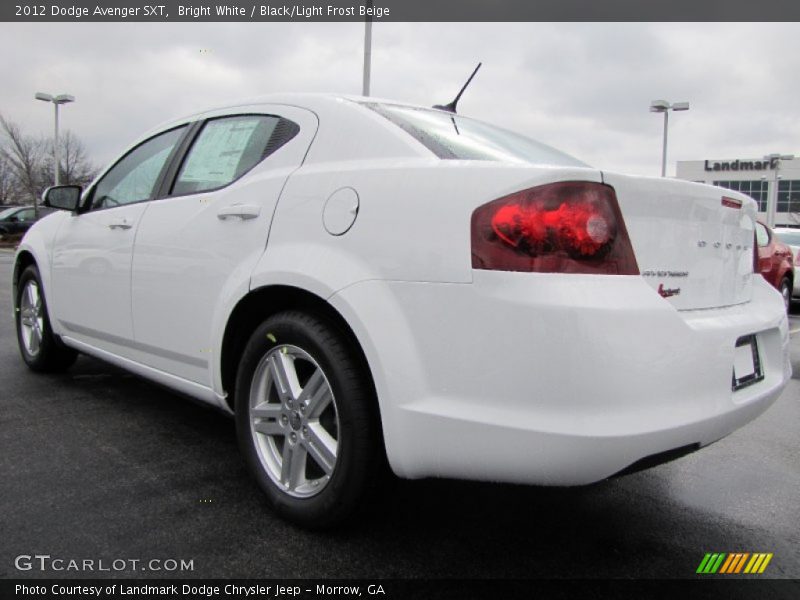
(786, 292)
(41, 350)
(313, 445)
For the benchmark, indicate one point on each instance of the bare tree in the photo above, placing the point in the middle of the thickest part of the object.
(6, 182)
(76, 169)
(24, 155)
(26, 164)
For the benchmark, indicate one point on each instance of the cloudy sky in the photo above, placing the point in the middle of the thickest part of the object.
(584, 88)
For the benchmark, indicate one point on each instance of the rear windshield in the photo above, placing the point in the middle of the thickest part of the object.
(789, 237)
(454, 137)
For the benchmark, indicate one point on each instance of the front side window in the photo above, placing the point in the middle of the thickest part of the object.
(226, 148)
(762, 236)
(26, 215)
(134, 178)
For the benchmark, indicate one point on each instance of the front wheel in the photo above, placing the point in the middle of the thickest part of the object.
(40, 348)
(306, 419)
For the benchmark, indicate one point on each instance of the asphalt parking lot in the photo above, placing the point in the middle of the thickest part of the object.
(95, 463)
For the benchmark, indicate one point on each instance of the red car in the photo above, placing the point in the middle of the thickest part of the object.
(775, 262)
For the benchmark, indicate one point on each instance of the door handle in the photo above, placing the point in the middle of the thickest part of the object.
(119, 224)
(239, 211)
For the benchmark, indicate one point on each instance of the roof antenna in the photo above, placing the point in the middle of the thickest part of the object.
(452, 106)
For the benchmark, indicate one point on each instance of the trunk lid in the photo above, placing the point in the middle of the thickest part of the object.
(693, 247)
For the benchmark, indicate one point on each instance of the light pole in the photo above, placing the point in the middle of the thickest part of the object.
(662, 106)
(56, 100)
(367, 51)
(772, 196)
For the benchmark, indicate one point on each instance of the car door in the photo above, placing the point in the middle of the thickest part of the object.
(92, 253)
(197, 246)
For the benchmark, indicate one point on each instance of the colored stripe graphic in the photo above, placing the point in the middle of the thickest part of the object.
(730, 564)
(740, 564)
(754, 563)
(734, 562)
(726, 565)
(711, 562)
(703, 563)
(765, 563)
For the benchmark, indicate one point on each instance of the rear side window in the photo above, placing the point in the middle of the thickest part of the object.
(451, 136)
(226, 148)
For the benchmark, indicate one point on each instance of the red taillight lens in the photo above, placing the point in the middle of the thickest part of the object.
(566, 227)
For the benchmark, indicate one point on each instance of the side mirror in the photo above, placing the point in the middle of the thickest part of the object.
(62, 197)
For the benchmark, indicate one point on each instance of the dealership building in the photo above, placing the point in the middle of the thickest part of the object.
(758, 178)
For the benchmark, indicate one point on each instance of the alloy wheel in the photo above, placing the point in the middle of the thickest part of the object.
(294, 421)
(31, 319)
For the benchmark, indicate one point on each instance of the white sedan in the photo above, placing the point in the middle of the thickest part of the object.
(361, 280)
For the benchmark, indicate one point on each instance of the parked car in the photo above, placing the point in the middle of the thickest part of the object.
(791, 237)
(775, 262)
(359, 280)
(18, 219)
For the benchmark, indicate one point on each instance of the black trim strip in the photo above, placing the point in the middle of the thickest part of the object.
(134, 345)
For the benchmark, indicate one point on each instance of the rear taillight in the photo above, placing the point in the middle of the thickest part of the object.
(566, 227)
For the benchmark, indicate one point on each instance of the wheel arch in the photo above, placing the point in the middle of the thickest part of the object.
(23, 260)
(261, 303)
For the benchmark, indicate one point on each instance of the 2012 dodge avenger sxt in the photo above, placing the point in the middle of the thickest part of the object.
(358, 279)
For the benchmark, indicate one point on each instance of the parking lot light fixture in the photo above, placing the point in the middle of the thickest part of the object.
(57, 101)
(663, 106)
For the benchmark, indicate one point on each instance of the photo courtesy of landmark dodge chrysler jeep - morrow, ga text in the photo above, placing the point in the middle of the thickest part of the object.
(361, 281)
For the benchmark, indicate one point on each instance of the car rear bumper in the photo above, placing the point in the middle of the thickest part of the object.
(555, 379)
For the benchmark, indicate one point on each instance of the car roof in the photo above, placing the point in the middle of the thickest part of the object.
(314, 101)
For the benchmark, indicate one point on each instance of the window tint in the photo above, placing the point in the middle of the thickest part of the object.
(450, 136)
(134, 177)
(762, 237)
(228, 147)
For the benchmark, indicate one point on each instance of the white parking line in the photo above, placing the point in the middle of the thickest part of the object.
(791, 331)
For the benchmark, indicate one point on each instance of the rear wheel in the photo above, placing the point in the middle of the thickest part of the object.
(786, 291)
(40, 349)
(305, 417)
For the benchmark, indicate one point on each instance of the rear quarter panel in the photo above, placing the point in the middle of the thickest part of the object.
(413, 221)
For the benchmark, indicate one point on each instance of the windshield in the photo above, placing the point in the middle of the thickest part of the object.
(451, 136)
(789, 237)
(8, 212)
